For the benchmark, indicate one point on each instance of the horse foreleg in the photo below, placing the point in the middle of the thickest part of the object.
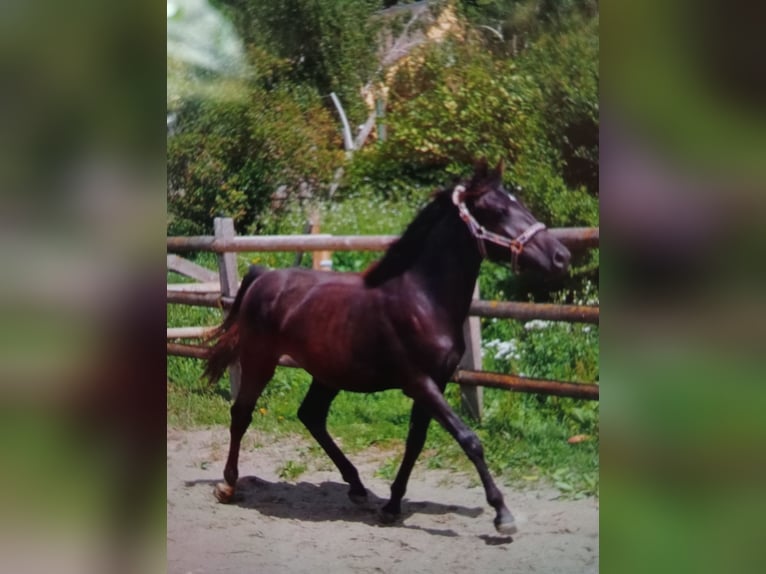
(429, 394)
(313, 413)
(416, 438)
(255, 376)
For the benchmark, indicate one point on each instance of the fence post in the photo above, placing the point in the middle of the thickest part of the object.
(229, 277)
(472, 396)
(320, 260)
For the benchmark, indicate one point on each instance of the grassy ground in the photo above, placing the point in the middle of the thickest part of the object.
(525, 436)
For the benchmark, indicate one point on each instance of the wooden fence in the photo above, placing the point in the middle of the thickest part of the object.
(218, 290)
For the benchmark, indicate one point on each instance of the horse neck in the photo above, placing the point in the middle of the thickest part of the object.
(448, 266)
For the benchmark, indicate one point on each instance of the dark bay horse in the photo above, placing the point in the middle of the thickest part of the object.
(397, 325)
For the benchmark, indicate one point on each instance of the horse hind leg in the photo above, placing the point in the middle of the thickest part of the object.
(313, 414)
(416, 438)
(256, 373)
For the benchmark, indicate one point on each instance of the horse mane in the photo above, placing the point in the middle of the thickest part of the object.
(402, 253)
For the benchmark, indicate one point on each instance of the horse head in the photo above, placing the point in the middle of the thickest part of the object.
(505, 230)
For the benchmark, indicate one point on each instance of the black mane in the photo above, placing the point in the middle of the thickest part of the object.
(402, 253)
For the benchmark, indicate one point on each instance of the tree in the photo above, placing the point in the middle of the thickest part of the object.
(229, 157)
(329, 44)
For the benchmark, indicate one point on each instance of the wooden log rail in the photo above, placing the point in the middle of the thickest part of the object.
(527, 384)
(529, 311)
(572, 237)
(499, 309)
(515, 383)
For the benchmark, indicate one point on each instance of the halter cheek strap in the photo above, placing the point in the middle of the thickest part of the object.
(481, 234)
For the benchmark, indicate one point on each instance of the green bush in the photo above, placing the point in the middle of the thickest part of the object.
(548, 350)
(363, 213)
(228, 158)
(330, 44)
(457, 103)
(564, 63)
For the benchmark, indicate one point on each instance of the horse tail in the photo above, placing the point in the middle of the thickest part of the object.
(226, 347)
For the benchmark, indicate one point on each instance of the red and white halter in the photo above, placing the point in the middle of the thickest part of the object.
(482, 234)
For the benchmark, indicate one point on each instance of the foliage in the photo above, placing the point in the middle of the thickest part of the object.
(363, 213)
(456, 102)
(565, 66)
(228, 157)
(329, 43)
(457, 105)
(291, 470)
(541, 349)
(531, 423)
(526, 18)
(555, 42)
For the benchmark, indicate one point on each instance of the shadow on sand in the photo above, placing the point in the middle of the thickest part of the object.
(328, 502)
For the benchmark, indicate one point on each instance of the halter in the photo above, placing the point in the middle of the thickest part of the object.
(481, 234)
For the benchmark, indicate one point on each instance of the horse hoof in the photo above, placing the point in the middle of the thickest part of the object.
(506, 527)
(223, 492)
(388, 518)
(358, 498)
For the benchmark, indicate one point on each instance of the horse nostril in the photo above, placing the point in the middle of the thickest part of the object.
(561, 259)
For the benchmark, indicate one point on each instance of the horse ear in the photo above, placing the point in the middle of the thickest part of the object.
(500, 169)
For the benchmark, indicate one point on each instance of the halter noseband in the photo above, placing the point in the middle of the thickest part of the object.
(481, 234)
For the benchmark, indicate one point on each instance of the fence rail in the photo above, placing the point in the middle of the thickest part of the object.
(572, 237)
(217, 290)
(587, 391)
(479, 308)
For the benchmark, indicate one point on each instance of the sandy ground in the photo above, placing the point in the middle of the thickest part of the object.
(310, 526)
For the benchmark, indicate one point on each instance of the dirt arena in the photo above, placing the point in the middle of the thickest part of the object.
(310, 526)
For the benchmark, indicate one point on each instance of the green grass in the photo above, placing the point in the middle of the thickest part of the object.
(291, 470)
